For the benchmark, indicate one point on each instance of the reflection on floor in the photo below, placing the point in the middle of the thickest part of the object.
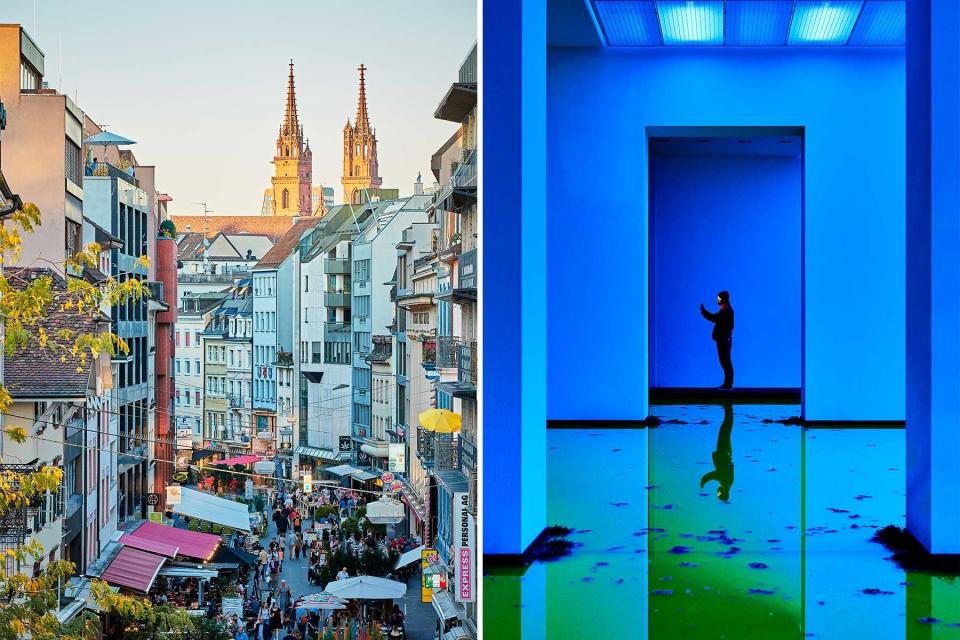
(788, 555)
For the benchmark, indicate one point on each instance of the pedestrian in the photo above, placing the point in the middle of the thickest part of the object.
(291, 543)
(276, 621)
(299, 547)
(343, 575)
(284, 595)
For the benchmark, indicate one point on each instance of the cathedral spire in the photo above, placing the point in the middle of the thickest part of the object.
(291, 123)
(362, 121)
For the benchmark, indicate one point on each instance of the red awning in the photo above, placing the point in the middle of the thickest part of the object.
(192, 544)
(134, 569)
(153, 546)
(247, 459)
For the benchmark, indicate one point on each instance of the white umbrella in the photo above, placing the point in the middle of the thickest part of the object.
(323, 600)
(367, 588)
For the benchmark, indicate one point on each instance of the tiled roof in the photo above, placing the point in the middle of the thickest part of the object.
(285, 245)
(271, 226)
(34, 373)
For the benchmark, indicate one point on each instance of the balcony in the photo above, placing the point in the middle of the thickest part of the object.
(465, 174)
(467, 276)
(467, 363)
(436, 450)
(235, 401)
(447, 352)
(337, 266)
(107, 170)
(339, 299)
(227, 276)
(336, 326)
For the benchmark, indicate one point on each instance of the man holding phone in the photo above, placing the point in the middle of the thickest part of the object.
(723, 335)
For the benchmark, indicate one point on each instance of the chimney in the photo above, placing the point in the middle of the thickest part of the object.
(418, 186)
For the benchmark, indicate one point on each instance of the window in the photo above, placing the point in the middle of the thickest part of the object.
(186, 365)
(306, 283)
(336, 352)
(316, 353)
(362, 309)
(197, 338)
(361, 341)
(73, 168)
(285, 199)
(72, 238)
(177, 340)
(361, 270)
(29, 77)
(178, 396)
(197, 399)
(196, 367)
(186, 339)
(178, 365)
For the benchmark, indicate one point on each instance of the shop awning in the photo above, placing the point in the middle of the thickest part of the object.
(342, 470)
(444, 605)
(152, 546)
(191, 544)
(188, 572)
(363, 476)
(456, 634)
(409, 557)
(231, 554)
(134, 569)
(208, 507)
(316, 452)
(248, 459)
(200, 454)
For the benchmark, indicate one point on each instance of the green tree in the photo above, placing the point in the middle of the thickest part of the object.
(27, 603)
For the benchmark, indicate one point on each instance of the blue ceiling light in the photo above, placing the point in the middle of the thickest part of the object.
(823, 22)
(685, 22)
(627, 23)
(758, 22)
(882, 22)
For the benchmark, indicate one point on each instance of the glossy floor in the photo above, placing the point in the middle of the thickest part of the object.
(788, 555)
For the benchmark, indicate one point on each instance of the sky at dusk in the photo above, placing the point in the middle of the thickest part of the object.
(201, 84)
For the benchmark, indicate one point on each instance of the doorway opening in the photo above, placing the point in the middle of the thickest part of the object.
(725, 213)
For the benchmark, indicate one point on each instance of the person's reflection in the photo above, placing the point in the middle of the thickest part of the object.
(722, 457)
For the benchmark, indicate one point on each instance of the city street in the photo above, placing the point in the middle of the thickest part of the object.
(419, 617)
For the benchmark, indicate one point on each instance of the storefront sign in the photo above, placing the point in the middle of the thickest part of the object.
(155, 517)
(346, 444)
(308, 482)
(427, 556)
(248, 489)
(464, 548)
(398, 457)
(387, 477)
(173, 495)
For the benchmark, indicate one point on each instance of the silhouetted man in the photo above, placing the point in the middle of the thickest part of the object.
(722, 457)
(723, 335)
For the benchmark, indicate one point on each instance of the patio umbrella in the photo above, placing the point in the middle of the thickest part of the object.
(107, 139)
(367, 588)
(323, 600)
(440, 420)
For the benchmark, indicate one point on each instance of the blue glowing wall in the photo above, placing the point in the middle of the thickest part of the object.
(725, 222)
(513, 275)
(851, 103)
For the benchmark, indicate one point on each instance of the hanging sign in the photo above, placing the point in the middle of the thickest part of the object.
(173, 495)
(398, 457)
(307, 482)
(464, 549)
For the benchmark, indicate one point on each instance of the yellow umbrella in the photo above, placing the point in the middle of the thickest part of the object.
(440, 420)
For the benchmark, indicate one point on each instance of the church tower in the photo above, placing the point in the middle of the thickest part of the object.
(359, 152)
(293, 164)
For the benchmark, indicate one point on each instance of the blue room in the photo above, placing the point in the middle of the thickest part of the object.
(788, 152)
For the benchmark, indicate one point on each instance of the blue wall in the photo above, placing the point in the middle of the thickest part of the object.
(851, 103)
(933, 274)
(513, 340)
(725, 222)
